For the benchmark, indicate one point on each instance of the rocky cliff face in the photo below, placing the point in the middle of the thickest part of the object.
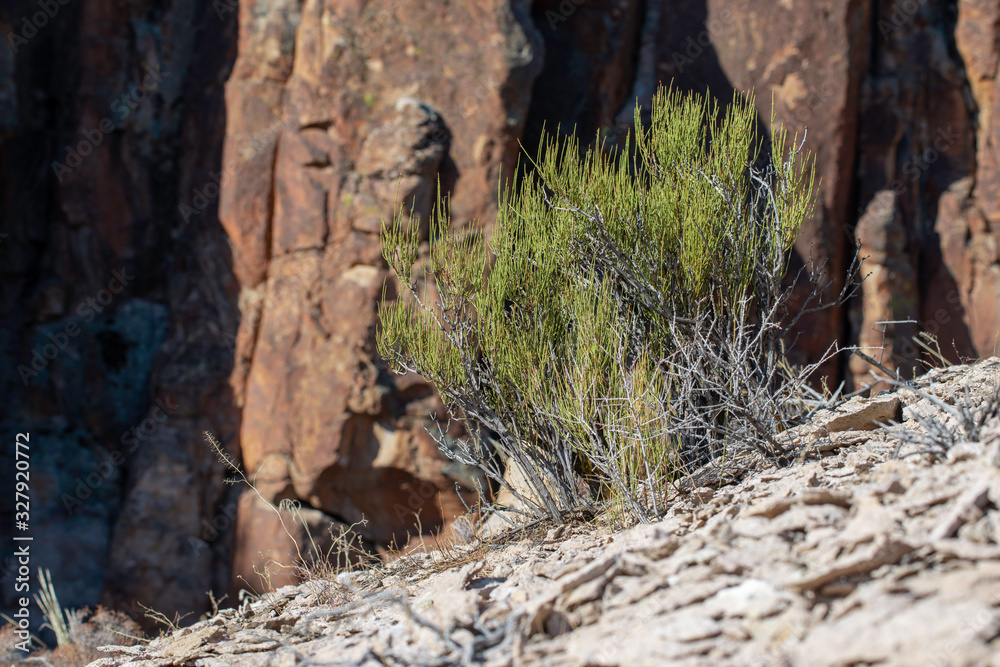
(193, 192)
(354, 105)
(115, 308)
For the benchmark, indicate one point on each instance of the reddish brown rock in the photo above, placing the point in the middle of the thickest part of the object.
(589, 67)
(371, 105)
(333, 112)
(380, 114)
(888, 307)
(811, 58)
(113, 121)
(291, 541)
(918, 141)
(977, 35)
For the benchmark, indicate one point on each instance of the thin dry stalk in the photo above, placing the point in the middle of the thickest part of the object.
(948, 425)
(48, 601)
(343, 554)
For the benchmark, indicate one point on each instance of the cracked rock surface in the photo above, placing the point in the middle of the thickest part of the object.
(847, 557)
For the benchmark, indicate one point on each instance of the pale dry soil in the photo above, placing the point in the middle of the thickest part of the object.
(849, 557)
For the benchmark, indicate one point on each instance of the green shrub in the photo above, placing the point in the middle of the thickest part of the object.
(625, 318)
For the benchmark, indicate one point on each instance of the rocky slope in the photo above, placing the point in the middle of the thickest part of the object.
(851, 556)
(231, 161)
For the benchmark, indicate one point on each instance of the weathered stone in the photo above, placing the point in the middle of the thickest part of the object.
(752, 599)
(289, 539)
(889, 295)
(110, 138)
(778, 506)
(262, 330)
(859, 414)
(864, 581)
(811, 57)
(314, 394)
(918, 140)
(884, 552)
(190, 644)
